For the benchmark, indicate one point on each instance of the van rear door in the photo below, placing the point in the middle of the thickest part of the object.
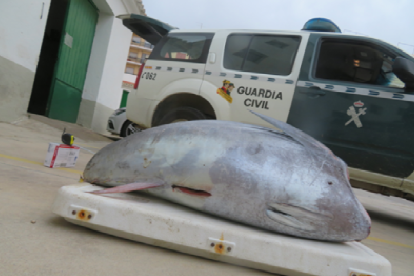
(150, 29)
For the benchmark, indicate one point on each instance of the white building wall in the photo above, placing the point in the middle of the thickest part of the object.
(103, 87)
(97, 59)
(130, 78)
(21, 44)
(119, 44)
(22, 24)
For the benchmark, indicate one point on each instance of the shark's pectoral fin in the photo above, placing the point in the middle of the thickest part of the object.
(128, 188)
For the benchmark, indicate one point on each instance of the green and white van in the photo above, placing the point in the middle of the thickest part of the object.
(353, 93)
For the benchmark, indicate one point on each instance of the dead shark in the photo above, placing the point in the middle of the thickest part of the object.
(280, 180)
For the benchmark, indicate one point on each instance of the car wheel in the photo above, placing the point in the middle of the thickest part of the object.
(181, 114)
(128, 129)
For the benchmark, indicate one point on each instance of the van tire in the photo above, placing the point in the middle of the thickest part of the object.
(184, 113)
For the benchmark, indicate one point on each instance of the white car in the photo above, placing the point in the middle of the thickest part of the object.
(119, 124)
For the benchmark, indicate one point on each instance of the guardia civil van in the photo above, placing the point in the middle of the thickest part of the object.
(353, 93)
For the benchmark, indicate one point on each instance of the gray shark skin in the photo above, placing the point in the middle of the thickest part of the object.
(285, 182)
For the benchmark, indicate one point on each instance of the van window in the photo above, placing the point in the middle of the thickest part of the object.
(264, 54)
(187, 47)
(356, 61)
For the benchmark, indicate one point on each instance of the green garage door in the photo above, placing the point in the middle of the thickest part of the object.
(70, 71)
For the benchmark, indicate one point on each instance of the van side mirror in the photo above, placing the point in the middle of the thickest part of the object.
(404, 70)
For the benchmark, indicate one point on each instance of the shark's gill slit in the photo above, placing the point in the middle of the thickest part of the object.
(191, 191)
(274, 210)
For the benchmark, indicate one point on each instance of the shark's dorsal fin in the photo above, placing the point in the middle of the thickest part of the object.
(294, 133)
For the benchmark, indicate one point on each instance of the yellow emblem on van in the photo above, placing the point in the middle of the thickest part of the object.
(225, 90)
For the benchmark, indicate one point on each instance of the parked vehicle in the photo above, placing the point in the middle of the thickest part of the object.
(352, 93)
(118, 124)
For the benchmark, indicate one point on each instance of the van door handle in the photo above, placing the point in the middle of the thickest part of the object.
(314, 91)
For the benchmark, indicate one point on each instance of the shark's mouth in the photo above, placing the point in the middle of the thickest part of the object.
(190, 191)
(293, 216)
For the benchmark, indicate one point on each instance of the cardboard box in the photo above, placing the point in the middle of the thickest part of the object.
(61, 155)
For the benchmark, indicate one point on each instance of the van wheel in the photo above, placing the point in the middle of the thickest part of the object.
(181, 114)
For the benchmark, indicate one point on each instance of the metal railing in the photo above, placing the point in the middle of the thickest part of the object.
(139, 60)
(143, 44)
(133, 59)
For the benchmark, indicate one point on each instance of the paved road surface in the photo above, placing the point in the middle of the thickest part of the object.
(36, 242)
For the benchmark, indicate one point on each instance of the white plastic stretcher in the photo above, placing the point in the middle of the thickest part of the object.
(143, 218)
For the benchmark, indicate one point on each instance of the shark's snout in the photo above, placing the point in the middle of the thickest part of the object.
(362, 222)
(351, 222)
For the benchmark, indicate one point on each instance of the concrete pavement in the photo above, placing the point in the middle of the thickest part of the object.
(36, 242)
